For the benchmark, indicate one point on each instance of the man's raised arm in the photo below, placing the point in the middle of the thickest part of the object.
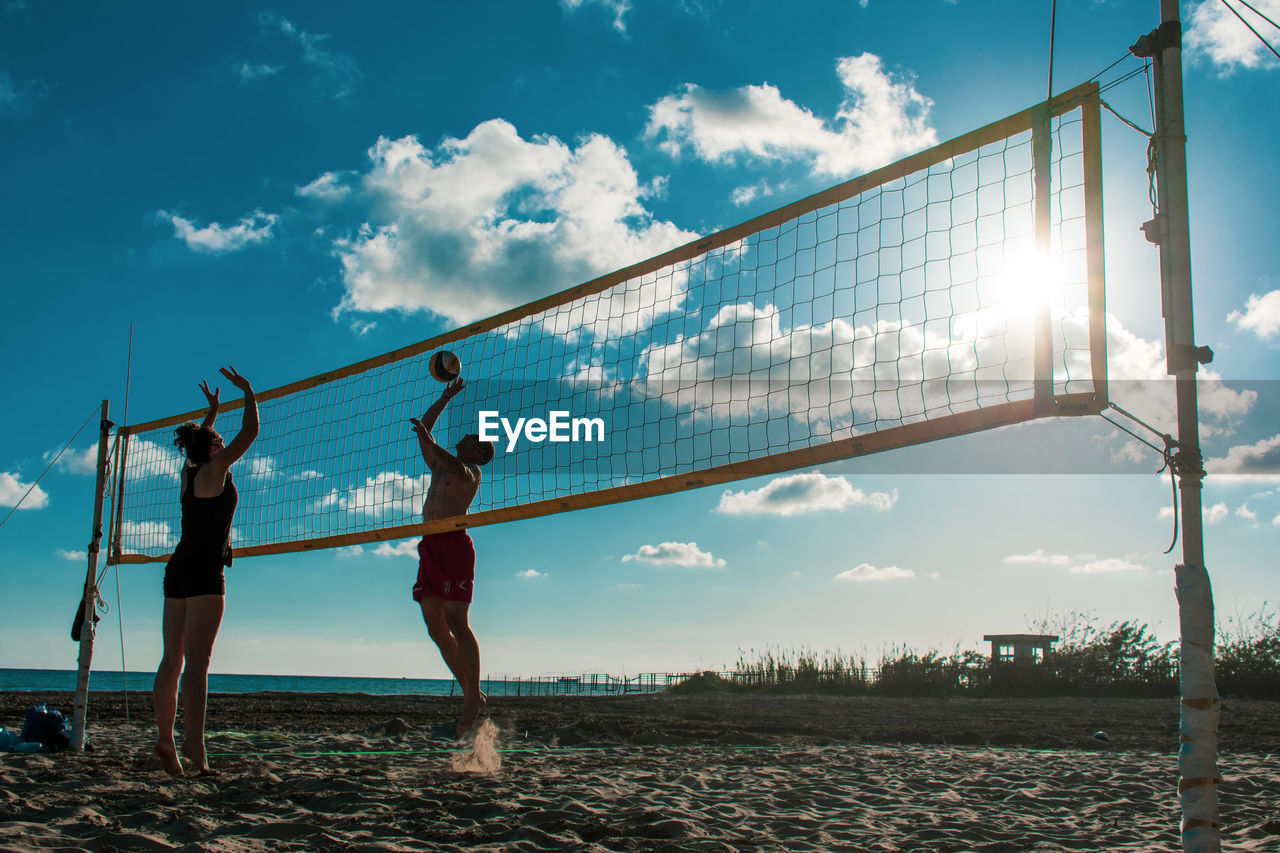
(435, 455)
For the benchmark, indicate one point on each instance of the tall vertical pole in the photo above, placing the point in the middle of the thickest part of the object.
(1198, 752)
(90, 591)
(1042, 160)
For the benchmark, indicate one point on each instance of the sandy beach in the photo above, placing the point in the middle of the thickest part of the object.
(701, 772)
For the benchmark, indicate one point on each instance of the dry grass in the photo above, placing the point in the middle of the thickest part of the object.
(1121, 659)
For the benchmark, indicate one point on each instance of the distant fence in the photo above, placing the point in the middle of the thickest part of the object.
(586, 684)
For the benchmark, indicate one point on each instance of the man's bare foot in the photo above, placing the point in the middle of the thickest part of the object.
(471, 709)
(169, 759)
(196, 756)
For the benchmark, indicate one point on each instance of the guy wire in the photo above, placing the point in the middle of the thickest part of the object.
(1053, 20)
(124, 669)
(1250, 26)
(51, 464)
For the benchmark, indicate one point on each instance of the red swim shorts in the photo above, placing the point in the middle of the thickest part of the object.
(446, 566)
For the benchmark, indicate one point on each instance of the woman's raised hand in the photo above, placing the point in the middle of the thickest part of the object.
(236, 379)
(211, 396)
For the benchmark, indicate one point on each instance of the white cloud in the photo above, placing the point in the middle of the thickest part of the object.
(1261, 315)
(348, 551)
(387, 493)
(12, 489)
(1140, 383)
(1214, 34)
(152, 459)
(1276, 521)
(1039, 557)
(329, 187)
(1211, 514)
(531, 573)
(1107, 566)
(10, 100)
(1079, 564)
(881, 119)
(760, 189)
(248, 72)
(1244, 512)
(214, 238)
(76, 461)
(1257, 462)
(744, 195)
(403, 548)
(867, 573)
(617, 8)
(71, 556)
(883, 370)
(1131, 357)
(810, 491)
(262, 467)
(686, 554)
(1221, 403)
(477, 225)
(16, 97)
(139, 536)
(337, 73)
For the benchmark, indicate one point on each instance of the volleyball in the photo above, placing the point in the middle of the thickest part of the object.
(445, 366)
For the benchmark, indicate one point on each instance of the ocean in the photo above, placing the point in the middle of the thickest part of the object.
(112, 680)
(37, 680)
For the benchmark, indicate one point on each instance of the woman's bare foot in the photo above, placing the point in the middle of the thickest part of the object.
(196, 756)
(471, 709)
(168, 759)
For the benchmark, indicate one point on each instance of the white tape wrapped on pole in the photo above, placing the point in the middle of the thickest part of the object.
(1197, 752)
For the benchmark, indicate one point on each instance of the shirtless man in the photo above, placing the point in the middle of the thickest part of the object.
(447, 561)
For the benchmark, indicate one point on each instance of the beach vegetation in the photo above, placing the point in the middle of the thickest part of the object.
(799, 671)
(1124, 658)
(703, 682)
(1248, 655)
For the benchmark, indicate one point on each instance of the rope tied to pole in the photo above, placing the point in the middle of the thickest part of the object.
(1179, 462)
(1188, 464)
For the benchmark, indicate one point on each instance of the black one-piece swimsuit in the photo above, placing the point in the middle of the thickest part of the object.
(195, 568)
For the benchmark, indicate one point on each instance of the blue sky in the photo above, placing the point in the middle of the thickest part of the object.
(219, 180)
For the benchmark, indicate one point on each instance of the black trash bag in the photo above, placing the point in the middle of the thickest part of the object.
(47, 726)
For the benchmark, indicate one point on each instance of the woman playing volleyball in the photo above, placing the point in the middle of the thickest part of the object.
(194, 586)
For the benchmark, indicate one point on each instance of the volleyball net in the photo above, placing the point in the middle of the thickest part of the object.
(957, 290)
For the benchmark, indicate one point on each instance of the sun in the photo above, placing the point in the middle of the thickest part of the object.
(1027, 283)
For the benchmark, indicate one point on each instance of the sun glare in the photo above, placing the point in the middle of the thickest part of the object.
(1028, 281)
